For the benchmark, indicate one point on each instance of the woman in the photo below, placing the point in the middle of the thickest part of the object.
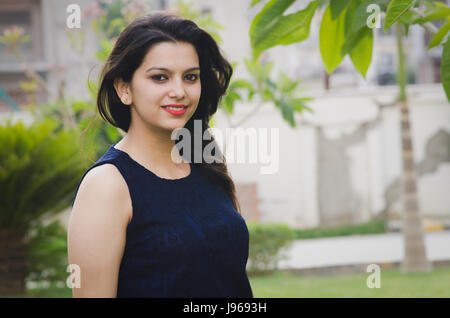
(145, 223)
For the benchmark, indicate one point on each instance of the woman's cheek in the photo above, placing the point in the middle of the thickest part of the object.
(197, 92)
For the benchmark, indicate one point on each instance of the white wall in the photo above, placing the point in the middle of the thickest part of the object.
(373, 155)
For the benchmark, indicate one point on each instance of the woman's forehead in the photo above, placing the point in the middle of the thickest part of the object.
(178, 56)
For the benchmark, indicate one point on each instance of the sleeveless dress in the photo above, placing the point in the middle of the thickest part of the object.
(185, 238)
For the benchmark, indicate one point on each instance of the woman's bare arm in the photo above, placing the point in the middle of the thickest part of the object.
(97, 231)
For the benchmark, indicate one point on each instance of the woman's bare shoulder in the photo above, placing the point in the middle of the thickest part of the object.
(104, 186)
(97, 230)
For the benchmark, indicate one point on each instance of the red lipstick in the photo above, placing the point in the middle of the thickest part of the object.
(175, 109)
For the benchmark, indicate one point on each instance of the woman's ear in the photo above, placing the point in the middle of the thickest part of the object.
(123, 91)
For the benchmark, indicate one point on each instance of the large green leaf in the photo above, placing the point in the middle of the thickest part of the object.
(352, 37)
(439, 36)
(266, 18)
(331, 40)
(270, 27)
(362, 13)
(445, 68)
(395, 10)
(300, 33)
(337, 6)
(358, 44)
(361, 54)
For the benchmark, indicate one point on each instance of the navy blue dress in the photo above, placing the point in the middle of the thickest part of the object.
(185, 238)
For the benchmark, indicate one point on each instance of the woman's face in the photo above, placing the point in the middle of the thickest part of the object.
(168, 75)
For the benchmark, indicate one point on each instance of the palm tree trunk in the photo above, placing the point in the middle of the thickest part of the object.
(14, 264)
(415, 258)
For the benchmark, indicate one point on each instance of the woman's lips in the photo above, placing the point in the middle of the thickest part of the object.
(175, 109)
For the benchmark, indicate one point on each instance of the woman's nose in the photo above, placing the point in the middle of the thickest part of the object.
(177, 90)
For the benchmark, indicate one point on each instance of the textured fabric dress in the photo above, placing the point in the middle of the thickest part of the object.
(185, 238)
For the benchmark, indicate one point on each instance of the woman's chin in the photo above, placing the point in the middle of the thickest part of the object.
(175, 125)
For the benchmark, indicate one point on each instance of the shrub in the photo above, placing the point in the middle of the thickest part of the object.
(48, 254)
(267, 245)
(39, 172)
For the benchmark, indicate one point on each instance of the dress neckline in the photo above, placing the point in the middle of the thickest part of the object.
(151, 172)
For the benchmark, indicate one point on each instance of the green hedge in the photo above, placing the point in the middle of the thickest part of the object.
(269, 242)
(48, 254)
(371, 227)
(266, 246)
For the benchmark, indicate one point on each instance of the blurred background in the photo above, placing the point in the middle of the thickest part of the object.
(363, 117)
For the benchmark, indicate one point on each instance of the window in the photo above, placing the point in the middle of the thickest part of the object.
(24, 14)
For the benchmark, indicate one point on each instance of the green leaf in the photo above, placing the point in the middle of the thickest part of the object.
(266, 18)
(337, 6)
(409, 17)
(106, 48)
(270, 27)
(439, 36)
(445, 68)
(260, 72)
(267, 95)
(285, 84)
(271, 85)
(361, 54)
(287, 112)
(436, 11)
(367, 10)
(351, 40)
(331, 40)
(254, 2)
(302, 32)
(298, 104)
(228, 105)
(351, 37)
(357, 44)
(395, 10)
(241, 83)
(322, 3)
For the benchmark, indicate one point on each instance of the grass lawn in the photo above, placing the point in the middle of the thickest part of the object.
(393, 284)
(280, 284)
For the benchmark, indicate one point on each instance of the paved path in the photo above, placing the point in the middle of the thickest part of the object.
(361, 249)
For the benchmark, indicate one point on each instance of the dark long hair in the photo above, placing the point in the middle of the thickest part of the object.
(215, 72)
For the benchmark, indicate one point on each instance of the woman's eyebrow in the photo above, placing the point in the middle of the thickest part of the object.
(169, 71)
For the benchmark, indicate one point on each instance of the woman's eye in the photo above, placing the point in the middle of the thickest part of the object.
(158, 77)
(192, 77)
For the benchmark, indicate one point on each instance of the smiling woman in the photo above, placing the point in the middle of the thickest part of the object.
(143, 224)
(172, 86)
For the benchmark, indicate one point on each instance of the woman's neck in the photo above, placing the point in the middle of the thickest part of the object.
(152, 148)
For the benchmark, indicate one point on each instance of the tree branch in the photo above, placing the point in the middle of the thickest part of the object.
(246, 117)
(428, 26)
